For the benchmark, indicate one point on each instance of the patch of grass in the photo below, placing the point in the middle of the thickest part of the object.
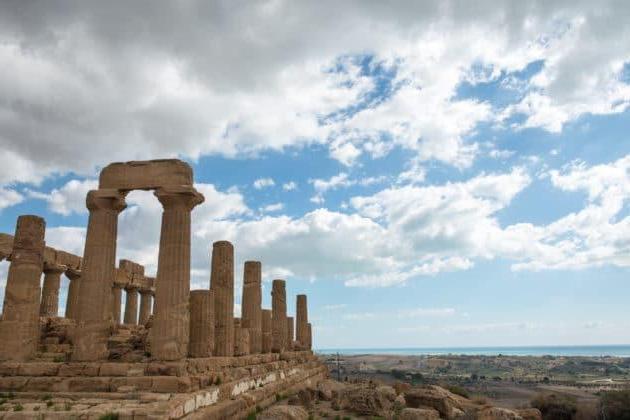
(109, 416)
(49, 404)
(67, 407)
(555, 406)
(18, 407)
(278, 397)
(59, 359)
(36, 408)
(218, 381)
(251, 416)
(47, 397)
(258, 409)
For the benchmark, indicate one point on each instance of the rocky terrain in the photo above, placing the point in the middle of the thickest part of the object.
(367, 399)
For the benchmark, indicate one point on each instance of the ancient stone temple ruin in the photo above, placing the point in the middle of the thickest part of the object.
(174, 352)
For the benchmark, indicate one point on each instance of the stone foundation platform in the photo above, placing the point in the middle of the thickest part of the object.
(208, 388)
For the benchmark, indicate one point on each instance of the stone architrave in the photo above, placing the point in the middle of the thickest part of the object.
(252, 301)
(201, 323)
(301, 318)
(49, 305)
(19, 328)
(290, 333)
(131, 305)
(117, 301)
(97, 277)
(279, 316)
(73, 292)
(266, 331)
(145, 305)
(171, 321)
(222, 283)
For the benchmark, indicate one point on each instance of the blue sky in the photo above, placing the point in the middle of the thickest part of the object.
(429, 175)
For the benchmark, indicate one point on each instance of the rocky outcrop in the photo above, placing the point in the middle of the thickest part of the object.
(284, 412)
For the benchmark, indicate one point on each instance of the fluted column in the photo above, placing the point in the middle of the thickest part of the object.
(222, 283)
(97, 277)
(301, 318)
(290, 333)
(201, 323)
(252, 301)
(116, 302)
(266, 331)
(309, 336)
(241, 338)
(49, 305)
(131, 305)
(279, 316)
(73, 292)
(19, 328)
(170, 334)
(145, 306)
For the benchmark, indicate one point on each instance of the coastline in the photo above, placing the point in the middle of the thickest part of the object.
(607, 350)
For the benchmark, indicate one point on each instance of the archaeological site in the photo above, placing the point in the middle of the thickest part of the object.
(175, 352)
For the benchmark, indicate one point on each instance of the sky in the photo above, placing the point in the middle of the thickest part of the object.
(428, 173)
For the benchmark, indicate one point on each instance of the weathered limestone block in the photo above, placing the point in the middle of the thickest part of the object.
(49, 305)
(146, 175)
(222, 283)
(252, 301)
(131, 267)
(241, 339)
(73, 292)
(266, 331)
(69, 260)
(171, 320)
(131, 305)
(201, 323)
(6, 245)
(301, 314)
(279, 316)
(98, 273)
(19, 328)
(290, 333)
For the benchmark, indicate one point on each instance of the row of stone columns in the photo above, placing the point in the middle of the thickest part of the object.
(257, 330)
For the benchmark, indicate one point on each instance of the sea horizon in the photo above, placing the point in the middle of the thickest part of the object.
(596, 350)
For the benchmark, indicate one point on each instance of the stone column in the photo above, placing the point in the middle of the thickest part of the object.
(290, 333)
(171, 321)
(309, 336)
(145, 305)
(131, 305)
(266, 331)
(201, 323)
(301, 313)
(97, 275)
(252, 301)
(116, 301)
(241, 338)
(279, 316)
(49, 305)
(222, 283)
(19, 328)
(73, 292)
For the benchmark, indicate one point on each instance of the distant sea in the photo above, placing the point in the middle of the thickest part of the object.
(621, 350)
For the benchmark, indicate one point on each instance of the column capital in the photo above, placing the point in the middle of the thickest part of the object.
(117, 285)
(144, 291)
(73, 274)
(174, 197)
(131, 287)
(106, 199)
(54, 268)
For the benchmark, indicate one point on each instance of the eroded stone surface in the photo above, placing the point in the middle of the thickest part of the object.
(278, 316)
(222, 284)
(19, 328)
(201, 323)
